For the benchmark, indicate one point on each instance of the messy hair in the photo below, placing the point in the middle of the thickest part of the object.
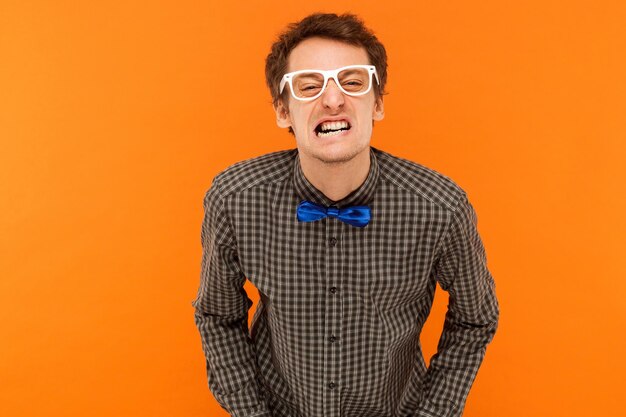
(346, 28)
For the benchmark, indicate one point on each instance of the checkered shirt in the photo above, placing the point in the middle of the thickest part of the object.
(336, 330)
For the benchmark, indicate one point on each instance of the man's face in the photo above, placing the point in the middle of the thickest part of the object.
(305, 117)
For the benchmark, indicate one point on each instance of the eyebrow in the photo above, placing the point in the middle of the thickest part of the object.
(349, 71)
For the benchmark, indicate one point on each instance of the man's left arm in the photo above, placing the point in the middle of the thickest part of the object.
(471, 320)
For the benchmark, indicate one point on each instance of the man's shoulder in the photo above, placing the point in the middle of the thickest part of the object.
(255, 171)
(420, 180)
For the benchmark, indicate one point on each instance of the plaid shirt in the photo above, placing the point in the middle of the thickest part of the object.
(336, 331)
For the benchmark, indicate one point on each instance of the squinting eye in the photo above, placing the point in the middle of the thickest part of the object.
(352, 81)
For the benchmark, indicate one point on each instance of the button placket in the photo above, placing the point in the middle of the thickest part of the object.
(332, 354)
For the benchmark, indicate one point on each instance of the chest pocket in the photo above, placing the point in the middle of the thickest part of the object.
(391, 263)
(396, 277)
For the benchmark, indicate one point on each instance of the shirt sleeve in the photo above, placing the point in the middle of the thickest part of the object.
(471, 320)
(221, 315)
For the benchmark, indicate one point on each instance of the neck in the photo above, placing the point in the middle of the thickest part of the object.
(336, 180)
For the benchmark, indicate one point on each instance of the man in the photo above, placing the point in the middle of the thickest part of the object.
(345, 244)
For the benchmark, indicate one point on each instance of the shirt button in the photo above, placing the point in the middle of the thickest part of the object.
(333, 290)
(332, 339)
(332, 385)
(332, 241)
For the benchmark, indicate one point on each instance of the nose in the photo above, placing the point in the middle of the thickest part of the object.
(332, 97)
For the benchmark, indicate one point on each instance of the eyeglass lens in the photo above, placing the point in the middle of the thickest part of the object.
(352, 80)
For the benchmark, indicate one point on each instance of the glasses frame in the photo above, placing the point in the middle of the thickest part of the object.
(328, 74)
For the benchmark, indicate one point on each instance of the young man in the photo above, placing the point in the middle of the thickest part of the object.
(345, 244)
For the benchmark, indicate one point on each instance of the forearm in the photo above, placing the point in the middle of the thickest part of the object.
(453, 368)
(231, 366)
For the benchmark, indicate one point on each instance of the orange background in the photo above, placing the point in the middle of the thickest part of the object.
(115, 115)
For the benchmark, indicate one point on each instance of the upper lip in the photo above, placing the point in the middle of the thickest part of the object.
(332, 119)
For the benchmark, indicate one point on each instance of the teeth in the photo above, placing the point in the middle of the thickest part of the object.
(331, 133)
(334, 125)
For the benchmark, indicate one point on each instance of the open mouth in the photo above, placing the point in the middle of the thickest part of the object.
(326, 129)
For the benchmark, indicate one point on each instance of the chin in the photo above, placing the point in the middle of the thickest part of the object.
(334, 156)
(332, 150)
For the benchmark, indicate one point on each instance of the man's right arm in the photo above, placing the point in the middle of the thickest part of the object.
(221, 315)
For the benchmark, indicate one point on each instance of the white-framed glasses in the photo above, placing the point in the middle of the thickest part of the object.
(309, 84)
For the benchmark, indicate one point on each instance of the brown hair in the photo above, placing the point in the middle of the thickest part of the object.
(346, 28)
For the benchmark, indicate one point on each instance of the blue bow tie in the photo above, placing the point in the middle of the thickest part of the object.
(357, 216)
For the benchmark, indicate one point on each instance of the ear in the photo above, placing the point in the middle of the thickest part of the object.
(379, 109)
(283, 118)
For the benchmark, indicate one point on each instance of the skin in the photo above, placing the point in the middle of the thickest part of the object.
(335, 165)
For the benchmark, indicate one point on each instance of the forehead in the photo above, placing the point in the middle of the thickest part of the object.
(325, 54)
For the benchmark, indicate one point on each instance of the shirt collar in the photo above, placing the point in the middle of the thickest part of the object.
(361, 196)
